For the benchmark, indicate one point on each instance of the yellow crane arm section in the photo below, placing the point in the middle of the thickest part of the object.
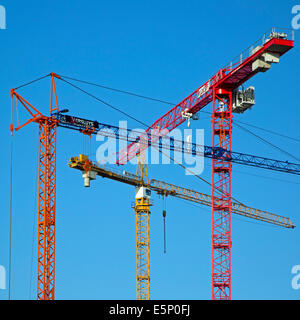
(83, 164)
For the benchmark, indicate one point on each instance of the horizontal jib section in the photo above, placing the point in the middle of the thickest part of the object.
(79, 122)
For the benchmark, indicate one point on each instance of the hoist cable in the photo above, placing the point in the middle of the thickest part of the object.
(104, 102)
(267, 142)
(170, 103)
(31, 82)
(164, 223)
(118, 90)
(267, 130)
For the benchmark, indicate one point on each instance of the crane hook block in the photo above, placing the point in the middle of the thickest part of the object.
(88, 176)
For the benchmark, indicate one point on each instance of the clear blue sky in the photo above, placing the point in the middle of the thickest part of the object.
(164, 49)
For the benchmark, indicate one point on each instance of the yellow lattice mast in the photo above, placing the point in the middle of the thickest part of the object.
(142, 212)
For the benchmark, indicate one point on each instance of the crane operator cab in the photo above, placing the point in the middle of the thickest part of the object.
(142, 193)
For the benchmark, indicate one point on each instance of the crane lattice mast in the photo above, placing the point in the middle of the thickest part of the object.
(221, 196)
(142, 214)
(46, 191)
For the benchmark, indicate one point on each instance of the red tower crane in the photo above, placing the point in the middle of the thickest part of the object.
(221, 89)
(46, 189)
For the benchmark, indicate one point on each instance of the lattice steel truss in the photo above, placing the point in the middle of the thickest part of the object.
(46, 190)
(221, 197)
(142, 212)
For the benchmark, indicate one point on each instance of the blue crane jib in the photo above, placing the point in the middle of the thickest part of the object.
(161, 142)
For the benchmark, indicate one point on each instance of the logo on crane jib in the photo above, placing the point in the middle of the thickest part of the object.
(204, 89)
(79, 122)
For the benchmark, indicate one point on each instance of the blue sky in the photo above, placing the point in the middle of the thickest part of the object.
(164, 49)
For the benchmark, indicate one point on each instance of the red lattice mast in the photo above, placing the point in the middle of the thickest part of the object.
(221, 196)
(219, 90)
(46, 191)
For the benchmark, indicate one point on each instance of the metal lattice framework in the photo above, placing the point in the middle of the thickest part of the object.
(46, 211)
(231, 76)
(46, 191)
(169, 143)
(142, 212)
(166, 189)
(221, 197)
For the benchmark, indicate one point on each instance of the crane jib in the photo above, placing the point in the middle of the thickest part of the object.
(163, 142)
(230, 77)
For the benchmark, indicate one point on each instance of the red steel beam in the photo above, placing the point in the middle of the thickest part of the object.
(230, 77)
(221, 197)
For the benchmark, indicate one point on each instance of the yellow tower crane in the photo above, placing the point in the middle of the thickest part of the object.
(142, 214)
(90, 170)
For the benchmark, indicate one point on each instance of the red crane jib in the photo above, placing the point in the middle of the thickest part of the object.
(230, 77)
